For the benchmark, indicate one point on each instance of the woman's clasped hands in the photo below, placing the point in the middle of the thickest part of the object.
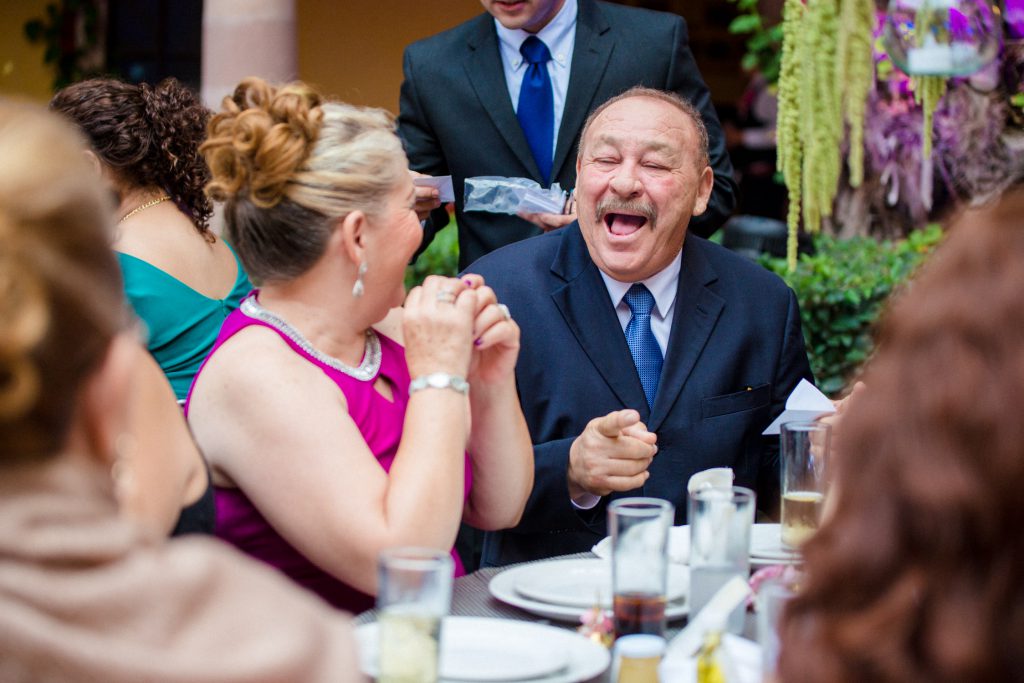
(457, 326)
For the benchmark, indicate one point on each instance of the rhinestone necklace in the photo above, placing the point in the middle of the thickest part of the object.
(367, 369)
(145, 206)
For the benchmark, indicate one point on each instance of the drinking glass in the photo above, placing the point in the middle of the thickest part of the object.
(639, 530)
(804, 447)
(772, 597)
(720, 521)
(414, 593)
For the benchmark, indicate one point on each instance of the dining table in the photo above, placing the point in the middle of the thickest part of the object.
(471, 597)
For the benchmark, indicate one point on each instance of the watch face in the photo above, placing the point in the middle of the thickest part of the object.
(438, 381)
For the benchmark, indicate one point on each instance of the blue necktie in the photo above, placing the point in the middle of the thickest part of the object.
(536, 110)
(640, 339)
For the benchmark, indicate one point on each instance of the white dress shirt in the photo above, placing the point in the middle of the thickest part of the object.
(663, 285)
(560, 37)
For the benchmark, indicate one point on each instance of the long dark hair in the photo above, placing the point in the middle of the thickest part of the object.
(149, 136)
(919, 573)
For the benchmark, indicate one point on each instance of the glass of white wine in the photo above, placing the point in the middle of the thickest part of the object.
(805, 451)
(414, 593)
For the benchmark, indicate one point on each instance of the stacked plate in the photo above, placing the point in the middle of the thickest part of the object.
(564, 589)
(765, 546)
(478, 649)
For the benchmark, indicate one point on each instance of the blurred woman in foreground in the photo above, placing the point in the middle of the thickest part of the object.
(334, 429)
(919, 574)
(83, 595)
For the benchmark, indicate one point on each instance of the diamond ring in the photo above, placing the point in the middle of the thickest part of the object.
(504, 311)
(446, 296)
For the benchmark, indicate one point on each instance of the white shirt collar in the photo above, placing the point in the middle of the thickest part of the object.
(558, 35)
(663, 285)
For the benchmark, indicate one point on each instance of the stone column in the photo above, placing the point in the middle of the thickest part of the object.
(246, 38)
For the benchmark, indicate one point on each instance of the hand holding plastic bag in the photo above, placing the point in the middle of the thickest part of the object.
(497, 194)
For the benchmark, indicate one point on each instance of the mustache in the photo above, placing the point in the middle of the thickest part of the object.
(635, 207)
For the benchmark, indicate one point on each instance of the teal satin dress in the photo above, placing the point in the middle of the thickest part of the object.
(182, 323)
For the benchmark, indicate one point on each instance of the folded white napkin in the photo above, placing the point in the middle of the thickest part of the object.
(805, 403)
(741, 656)
(714, 478)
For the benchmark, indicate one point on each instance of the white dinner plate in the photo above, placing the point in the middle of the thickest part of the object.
(581, 582)
(480, 649)
(503, 588)
(765, 546)
(678, 545)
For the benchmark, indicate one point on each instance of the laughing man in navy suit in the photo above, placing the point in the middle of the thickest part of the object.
(648, 354)
(463, 110)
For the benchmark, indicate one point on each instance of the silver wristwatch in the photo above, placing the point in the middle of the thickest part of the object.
(439, 380)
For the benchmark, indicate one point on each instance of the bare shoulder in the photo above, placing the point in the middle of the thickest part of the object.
(255, 379)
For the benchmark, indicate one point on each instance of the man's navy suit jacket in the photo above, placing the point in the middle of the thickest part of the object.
(735, 353)
(456, 116)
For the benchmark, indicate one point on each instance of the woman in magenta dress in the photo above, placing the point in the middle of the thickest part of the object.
(335, 419)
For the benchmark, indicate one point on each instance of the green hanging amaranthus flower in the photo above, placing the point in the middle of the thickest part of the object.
(825, 78)
(789, 143)
(857, 73)
(928, 90)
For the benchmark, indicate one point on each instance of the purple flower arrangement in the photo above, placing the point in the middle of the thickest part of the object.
(978, 137)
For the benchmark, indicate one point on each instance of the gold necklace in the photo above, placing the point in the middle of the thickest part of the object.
(145, 206)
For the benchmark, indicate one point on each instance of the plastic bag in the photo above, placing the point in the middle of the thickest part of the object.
(497, 194)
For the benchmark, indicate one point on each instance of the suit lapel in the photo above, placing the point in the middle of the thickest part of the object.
(584, 303)
(697, 310)
(487, 77)
(591, 51)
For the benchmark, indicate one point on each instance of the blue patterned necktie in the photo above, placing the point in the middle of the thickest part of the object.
(640, 339)
(536, 110)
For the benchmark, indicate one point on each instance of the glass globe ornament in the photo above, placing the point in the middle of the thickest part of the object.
(942, 37)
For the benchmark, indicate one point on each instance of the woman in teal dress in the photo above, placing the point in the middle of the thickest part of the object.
(180, 278)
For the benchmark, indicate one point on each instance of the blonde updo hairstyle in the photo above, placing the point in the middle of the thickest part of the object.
(60, 287)
(289, 165)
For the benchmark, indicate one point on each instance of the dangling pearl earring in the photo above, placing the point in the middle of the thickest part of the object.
(357, 288)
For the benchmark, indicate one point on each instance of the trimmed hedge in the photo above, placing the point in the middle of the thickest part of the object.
(842, 288)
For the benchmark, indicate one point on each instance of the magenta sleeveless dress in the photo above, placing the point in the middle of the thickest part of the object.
(380, 422)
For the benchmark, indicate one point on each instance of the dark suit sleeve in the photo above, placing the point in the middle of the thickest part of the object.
(421, 145)
(684, 78)
(791, 368)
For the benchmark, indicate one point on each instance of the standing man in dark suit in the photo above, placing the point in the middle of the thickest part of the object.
(648, 354)
(466, 112)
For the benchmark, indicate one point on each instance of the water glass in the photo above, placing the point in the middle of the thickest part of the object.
(639, 530)
(804, 450)
(720, 521)
(414, 593)
(772, 597)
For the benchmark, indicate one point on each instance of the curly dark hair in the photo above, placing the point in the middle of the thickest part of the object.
(149, 135)
(918, 574)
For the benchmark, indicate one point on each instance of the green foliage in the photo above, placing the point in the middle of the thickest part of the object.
(440, 258)
(842, 289)
(69, 31)
(764, 46)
